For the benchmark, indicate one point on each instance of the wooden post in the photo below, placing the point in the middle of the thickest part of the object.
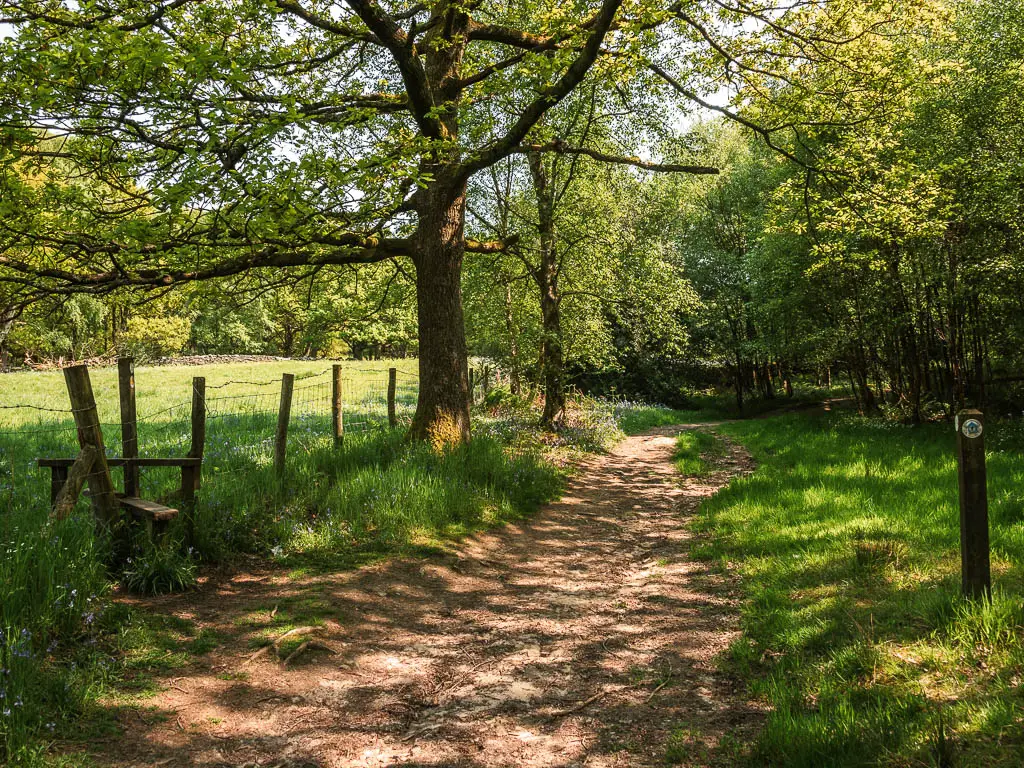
(487, 379)
(58, 476)
(472, 386)
(129, 423)
(76, 477)
(198, 447)
(87, 419)
(337, 405)
(392, 387)
(976, 579)
(283, 415)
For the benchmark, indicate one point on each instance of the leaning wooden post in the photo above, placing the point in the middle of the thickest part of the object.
(87, 419)
(198, 447)
(283, 415)
(65, 501)
(392, 388)
(976, 579)
(337, 404)
(129, 423)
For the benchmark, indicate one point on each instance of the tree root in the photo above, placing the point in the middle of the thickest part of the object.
(276, 645)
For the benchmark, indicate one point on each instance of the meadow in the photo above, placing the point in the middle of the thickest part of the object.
(845, 541)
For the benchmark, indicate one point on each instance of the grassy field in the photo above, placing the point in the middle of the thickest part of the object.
(846, 542)
(65, 647)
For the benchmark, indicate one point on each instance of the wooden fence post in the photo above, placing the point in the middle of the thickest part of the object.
(129, 423)
(76, 475)
(472, 386)
(487, 379)
(976, 579)
(392, 387)
(87, 420)
(198, 447)
(283, 415)
(337, 404)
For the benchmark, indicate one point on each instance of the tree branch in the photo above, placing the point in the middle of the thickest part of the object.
(351, 249)
(394, 38)
(561, 148)
(533, 112)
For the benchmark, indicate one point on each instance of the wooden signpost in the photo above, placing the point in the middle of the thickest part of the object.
(976, 578)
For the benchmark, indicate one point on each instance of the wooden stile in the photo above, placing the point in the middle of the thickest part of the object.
(198, 446)
(75, 478)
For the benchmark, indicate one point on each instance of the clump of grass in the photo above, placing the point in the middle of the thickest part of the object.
(696, 452)
(684, 745)
(635, 418)
(158, 568)
(846, 540)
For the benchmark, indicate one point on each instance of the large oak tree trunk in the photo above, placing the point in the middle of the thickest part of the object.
(439, 245)
(442, 412)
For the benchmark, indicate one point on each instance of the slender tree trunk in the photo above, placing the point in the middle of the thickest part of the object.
(550, 297)
(739, 383)
(515, 384)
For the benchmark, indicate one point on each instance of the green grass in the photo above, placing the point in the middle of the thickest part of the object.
(65, 649)
(637, 418)
(696, 452)
(846, 541)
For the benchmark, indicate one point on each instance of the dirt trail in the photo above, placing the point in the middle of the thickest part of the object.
(584, 636)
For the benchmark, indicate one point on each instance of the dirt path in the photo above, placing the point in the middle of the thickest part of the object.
(582, 637)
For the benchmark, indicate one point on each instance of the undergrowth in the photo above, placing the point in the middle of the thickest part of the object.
(696, 452)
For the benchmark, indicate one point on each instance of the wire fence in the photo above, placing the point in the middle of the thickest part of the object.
(241, 419)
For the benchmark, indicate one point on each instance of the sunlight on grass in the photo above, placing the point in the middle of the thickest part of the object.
(846, 539)
(68, 651)
(696, 451)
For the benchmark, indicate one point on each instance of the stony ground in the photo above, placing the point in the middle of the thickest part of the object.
(585, 636)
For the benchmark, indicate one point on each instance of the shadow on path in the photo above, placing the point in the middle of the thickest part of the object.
(584, 636)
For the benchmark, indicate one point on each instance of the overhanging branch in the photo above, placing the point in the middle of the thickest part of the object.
(561, 148)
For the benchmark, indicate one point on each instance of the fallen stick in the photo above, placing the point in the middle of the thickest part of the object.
(295, 654)
(587, 702)
(661, 685)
